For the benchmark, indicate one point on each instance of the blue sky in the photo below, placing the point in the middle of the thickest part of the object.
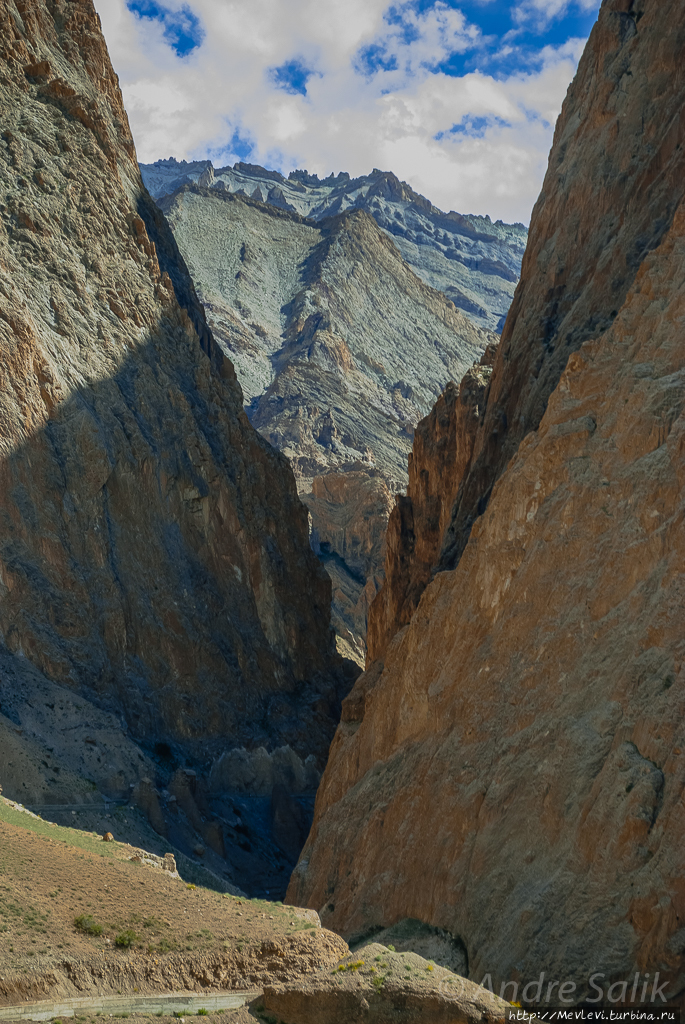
(459, 97)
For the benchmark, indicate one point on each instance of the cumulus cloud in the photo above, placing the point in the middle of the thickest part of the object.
(344, 85)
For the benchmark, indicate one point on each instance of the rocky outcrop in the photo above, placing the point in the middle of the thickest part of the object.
(154, 555)
(474, 262)
(340, 349)
(513, 771)
(441, 455)
(378, 985)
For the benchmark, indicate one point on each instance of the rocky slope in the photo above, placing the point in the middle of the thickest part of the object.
(68, 896)
(513, 770)
(474, 262)
(340, 349)
(154, 556)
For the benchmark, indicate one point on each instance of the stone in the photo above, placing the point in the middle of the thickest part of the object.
(154, 555)
(378, 985)
(473, 261)
(340, 349)
(441, 455)
(146, 797)
(108, 837)
(511, 771)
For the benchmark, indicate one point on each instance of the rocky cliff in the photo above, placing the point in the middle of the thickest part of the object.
(340, 349)
(513, 771)
(154, 556)
(475, 262)
(440, 457)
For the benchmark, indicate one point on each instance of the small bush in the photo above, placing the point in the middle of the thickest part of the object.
(125, 939)
(391, 948)
(202, 1012)
(88, 925)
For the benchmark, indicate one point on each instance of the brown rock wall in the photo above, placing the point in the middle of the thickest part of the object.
(440, 458)
(514, 772)
(613, 183)
(153, 551)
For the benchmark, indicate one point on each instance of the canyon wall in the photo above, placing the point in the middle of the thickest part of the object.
(513, 769)
(441, 454)
(154, 555)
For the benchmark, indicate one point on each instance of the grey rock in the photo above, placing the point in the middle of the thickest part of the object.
(474, 261)
(340, 349)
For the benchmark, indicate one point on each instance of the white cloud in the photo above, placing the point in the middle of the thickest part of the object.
(541, 12)
(190, 107)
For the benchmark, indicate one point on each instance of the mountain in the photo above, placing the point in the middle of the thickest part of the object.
(340, 349)
(154, 556)
(510, 767)
(475, 262)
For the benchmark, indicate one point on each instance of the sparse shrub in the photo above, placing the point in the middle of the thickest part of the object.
(125, 939)
(202, 1012)
(87, 924)
(392, 949)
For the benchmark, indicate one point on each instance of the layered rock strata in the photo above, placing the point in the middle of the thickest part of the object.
(340, 350)
(474, 261)
(513, 771)
(154, 555)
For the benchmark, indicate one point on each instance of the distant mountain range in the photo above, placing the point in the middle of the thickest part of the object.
(474, 261)
(340, 349)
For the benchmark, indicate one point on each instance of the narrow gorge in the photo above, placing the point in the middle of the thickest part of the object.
(324, 579)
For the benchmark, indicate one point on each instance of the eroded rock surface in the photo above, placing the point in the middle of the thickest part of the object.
(513, 772)
(441, 455)
(381, 986)
(340, 349)
(612, 186)
(154, 555)
(474, 261)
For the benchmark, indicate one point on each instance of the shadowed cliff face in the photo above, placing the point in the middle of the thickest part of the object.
(153, 551)
(513, 772)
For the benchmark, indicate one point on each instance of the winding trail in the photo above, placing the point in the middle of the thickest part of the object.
(172, 1002)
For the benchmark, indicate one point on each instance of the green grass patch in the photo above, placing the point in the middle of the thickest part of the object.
(88, 925)
(72, 837)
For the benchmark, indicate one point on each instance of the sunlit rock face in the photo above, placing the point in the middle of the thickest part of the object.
(340, 349)
(512, 768)
(154, 555)
(474, 261)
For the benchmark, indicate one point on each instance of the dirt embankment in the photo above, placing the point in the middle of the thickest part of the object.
(78, 916)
